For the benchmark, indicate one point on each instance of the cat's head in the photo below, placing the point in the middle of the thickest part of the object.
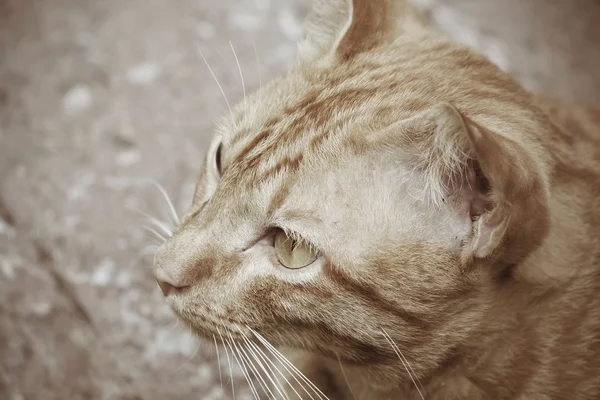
(388, 183)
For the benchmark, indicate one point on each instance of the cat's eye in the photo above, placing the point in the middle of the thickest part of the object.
(291, 253)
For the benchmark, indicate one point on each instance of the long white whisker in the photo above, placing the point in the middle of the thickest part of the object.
(293, 374)
(405, 360)
(258, 65)
(411, 369)
(402, 359)
(160, 225)
(271, 365)
(216, 80)
(242, 365)
(239, 67)
(287, 362)
(191, 356)
(294, 371)
(256, 371)
(218, 361)
(241, 76)
(163, 192)
(232, 72)
(257, 352)
(156, 234)
(173, 326)
(152, 247)
(228, 362)
(346, 378)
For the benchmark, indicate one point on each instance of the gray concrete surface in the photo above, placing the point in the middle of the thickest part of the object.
(98, 96)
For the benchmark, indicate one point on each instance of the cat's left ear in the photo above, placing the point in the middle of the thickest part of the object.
(342, 29)
(493, 179)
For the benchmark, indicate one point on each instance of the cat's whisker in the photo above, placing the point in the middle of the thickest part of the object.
(231, 70)
(191, 329)
(292, 370)
(264, 385)
(405, 360)
(257, 64)
(156, 234)
(173, 326)
(165, 195)
(218, 361)
(217, 81)
(242, 365)
(396, 349)
(346, 378)
(166, 229)
(287, 362)
(239, 70)
(152, 221)
(189, 358)
(294, 375)
(155, 243)
(270, 364)
(228, 362)
(260, 357)
(195, 353)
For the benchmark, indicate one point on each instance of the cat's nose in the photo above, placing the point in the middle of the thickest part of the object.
(167, 283)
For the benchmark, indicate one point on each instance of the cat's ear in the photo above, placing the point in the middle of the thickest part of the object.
(344, 28)
(489, 176)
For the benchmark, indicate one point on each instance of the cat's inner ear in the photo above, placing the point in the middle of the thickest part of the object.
(344, 28)
(490, 176)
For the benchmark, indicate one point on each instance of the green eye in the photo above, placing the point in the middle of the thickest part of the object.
(291, 253)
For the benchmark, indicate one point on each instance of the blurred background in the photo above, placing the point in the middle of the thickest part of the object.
(98, 96)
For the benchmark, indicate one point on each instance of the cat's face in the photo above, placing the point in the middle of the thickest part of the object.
(342, 202)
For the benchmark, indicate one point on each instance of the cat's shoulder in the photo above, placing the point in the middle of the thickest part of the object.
(574, 144)
(575, 122)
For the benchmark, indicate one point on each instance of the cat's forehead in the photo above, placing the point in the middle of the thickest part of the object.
(281, 126)
(303, 109)
(296, 118)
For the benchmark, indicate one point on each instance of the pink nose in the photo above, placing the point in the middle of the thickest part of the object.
(166, 283)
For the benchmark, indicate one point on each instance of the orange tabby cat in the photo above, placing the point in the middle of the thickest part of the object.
(401, 219)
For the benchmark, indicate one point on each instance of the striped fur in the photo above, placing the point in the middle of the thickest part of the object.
(451, 209)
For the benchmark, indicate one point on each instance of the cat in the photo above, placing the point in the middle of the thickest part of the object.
(400, 219)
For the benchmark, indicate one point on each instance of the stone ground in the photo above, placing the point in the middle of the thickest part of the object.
(98, 96)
